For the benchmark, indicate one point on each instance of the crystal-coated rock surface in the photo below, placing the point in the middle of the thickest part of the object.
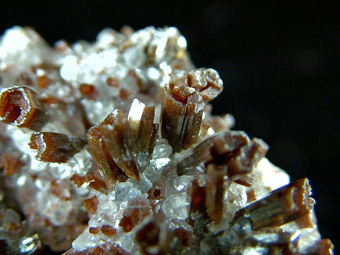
(110, 147)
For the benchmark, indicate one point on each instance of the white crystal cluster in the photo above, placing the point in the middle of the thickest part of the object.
(142, 62)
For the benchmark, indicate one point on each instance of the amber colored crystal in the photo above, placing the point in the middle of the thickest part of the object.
(91, 204)
(108, 230)
(95, 182)
(109, 142)
(42, 81)
(19, 106)
(50, 100)
(94, 230)
(198, 216)
(10, 163)
(322, 247)
(113, 82)
(138, 210)
(106, 165)
(124, 94)
(116, 136)
(207, 82)
(143, 128)
(247, 157)
(251, 196)
(215, 149)
(182, 111)
(231, 148)
(58, 190)
(148, 236)
(88, 91)
(245, 180)
(198, 198)
(280, 206)
(77, 179)
(183, 103)
(215, 191)
(126, 223)
(55, 147)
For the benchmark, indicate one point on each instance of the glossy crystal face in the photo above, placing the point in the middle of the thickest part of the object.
(110, 147)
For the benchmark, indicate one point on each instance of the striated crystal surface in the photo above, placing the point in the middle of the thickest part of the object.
(110, 147)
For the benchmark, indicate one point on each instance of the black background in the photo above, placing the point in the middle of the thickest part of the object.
(278, 60)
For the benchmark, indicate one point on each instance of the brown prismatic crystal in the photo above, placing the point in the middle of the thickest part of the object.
(54, 147)
(247, 157)
(231, 148)
(215, 190)
(110, 142)
(106, 165)
(19, 106)
(213, 149)
(280, 206)
(116, 135)
(77, 179)
(207, 82)
(182, 111)
(143, 128)
(91, 204)
(198, 198)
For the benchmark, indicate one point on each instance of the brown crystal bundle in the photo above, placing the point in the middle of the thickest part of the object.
(111, 148)
(20, 107)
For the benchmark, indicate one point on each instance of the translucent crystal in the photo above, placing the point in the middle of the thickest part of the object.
(176, 207)
(83, 242)
(126, 192)
(161, 150)
(29, 245)
(182, 183)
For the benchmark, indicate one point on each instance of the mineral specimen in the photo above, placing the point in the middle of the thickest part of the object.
(110, 148)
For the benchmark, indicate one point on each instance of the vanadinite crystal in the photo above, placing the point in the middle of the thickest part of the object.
(110, 148)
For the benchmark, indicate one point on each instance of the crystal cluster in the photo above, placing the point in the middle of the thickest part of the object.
(110, 148)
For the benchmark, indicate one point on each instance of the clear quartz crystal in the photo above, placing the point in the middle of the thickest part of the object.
(176, 206)
(126, 192)
(181, 183)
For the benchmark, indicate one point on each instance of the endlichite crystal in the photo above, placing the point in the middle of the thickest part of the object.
(111, 148)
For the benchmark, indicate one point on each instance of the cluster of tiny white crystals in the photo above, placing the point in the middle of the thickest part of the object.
(272, 177)
(22, 46)
(113, 54)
